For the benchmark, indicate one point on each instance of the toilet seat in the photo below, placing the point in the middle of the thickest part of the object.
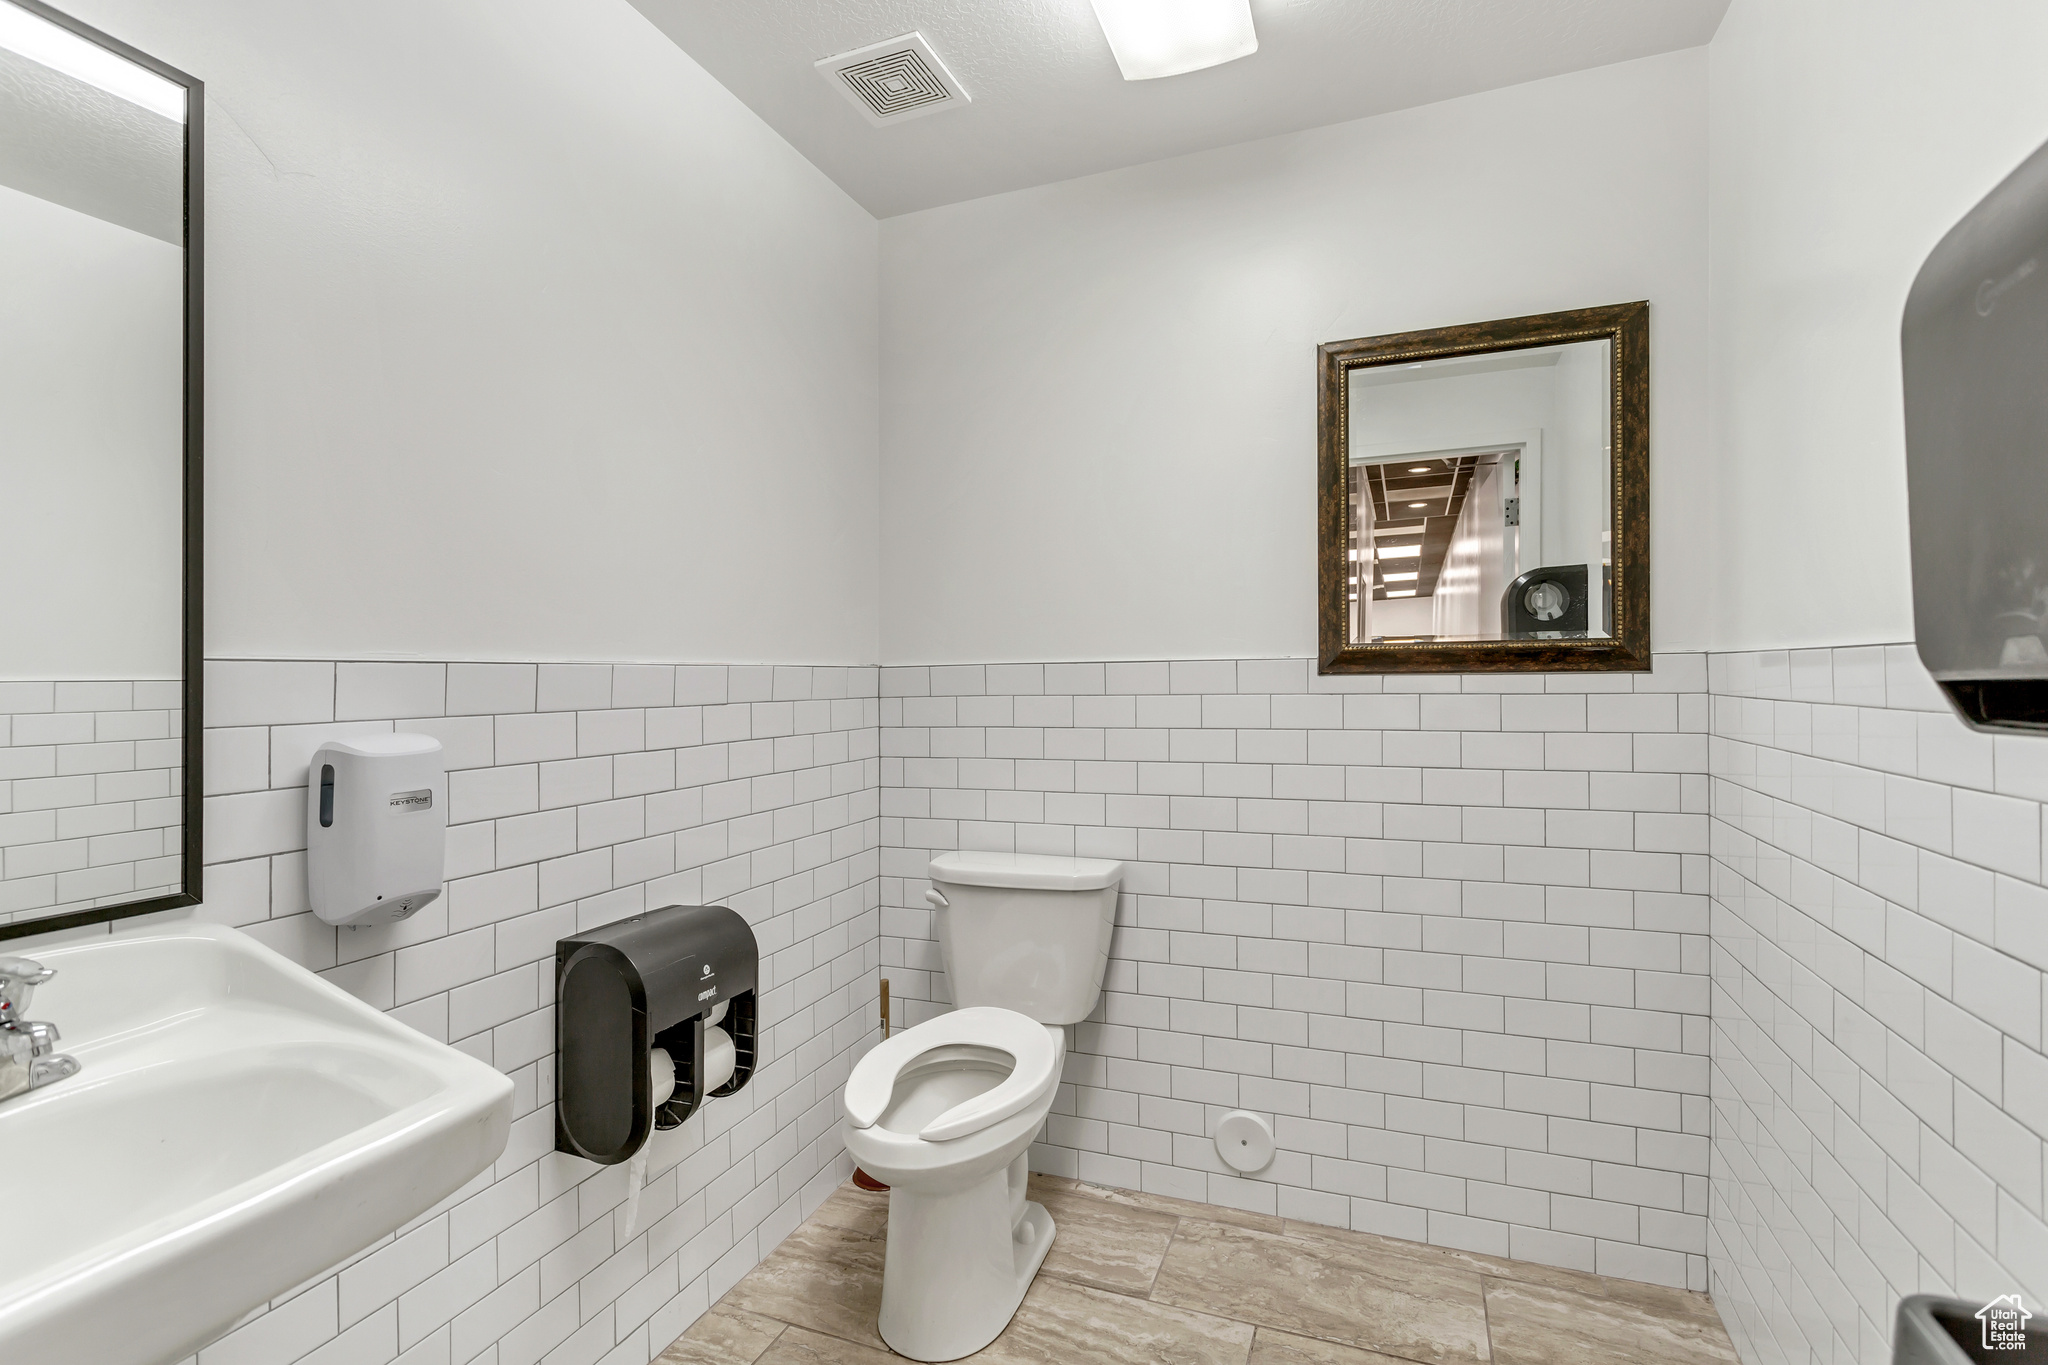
(1033, 1075)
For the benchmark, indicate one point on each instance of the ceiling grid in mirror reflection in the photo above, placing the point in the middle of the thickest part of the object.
(1483, 496)
(100, 230)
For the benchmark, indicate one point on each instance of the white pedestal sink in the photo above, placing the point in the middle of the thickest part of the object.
(239, 1126)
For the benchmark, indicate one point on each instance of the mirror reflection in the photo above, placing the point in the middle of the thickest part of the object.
(92, 472)
(1479, 497)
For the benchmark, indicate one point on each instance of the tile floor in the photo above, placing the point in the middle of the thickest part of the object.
(1138, 1279)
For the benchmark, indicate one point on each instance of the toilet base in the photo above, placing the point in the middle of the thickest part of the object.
(958, 1263)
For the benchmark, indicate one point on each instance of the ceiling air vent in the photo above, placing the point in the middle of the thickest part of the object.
(893, 81)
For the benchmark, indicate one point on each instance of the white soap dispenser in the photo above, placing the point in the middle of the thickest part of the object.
(376, 827)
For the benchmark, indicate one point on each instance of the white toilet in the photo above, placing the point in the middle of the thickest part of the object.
(945, 1112)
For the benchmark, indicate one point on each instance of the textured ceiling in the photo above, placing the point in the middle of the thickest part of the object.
(1049, 104)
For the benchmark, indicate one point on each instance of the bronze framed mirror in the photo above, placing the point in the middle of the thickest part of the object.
(1483, 496)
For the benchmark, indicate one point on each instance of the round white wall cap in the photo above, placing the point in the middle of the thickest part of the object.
(1245, 1141)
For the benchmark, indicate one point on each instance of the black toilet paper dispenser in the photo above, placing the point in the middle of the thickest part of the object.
(656, 980)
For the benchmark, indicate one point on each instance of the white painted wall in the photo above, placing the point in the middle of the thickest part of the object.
(1140, 481)
(1444, 409)
(92, 442)
(525, 340)
(1848, 136)
(1403, 616)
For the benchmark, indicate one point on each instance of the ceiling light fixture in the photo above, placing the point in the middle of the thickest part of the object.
(1418, 469)
(1401, 592)
(1154, 38)
(1418, 504)
(1409, 577)
(1399, 552)
(58, 48)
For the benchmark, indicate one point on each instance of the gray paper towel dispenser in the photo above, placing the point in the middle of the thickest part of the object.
(1932, 1330)
(1975, 350)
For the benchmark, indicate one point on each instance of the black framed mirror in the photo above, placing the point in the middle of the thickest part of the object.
(1483, 496)
(100, 475)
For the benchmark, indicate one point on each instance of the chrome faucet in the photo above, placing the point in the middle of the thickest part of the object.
(28, 1047)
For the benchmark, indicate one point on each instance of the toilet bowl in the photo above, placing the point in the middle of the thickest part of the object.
(944, 1114)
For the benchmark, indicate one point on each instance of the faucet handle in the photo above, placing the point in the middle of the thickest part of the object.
(19, 977)
(44, 1070)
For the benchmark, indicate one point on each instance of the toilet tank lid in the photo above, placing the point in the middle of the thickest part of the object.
(1033, 871)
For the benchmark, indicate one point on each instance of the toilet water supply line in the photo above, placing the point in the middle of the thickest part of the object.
(720, 1058)
(861, 1177)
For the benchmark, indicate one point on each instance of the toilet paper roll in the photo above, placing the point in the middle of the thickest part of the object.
(662, 1073)
(720, 1057)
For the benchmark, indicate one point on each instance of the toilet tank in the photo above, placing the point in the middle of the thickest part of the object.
(1024, 931)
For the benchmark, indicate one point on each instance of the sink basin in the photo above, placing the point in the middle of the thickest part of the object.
(239, 1126)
